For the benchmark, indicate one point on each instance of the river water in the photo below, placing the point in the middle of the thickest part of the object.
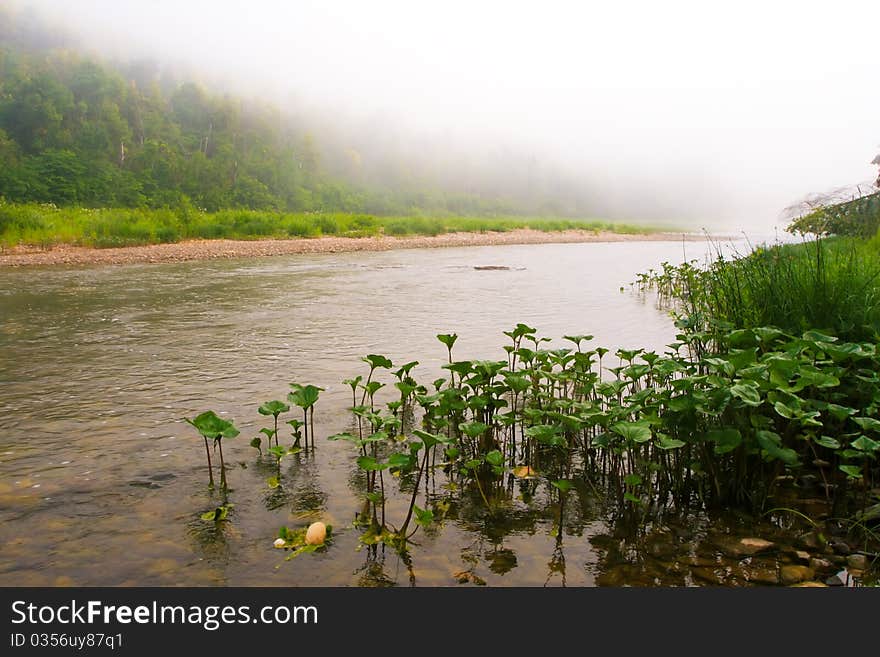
(102, 483)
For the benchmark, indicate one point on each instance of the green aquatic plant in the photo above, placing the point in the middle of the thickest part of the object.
(297, 540)
(218, 514)
(211, 427)
(353, 384)
(375, 361)
(273, 408)
(305, 397)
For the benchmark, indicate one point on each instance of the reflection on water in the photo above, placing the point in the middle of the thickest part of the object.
(101, 482)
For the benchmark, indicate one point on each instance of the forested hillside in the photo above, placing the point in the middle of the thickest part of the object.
(77, 130)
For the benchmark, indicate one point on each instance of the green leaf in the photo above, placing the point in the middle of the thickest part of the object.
(563, 485)
(210, 425)
(424, 517)
(840, 412)
(747, 393)
(726, 440)
(865, 444)
(851, 471)
(304, 396)
(827, 441)
(273, 482)
(631, 498)
(369, 463)
(274, 408)
(816, 336)
(786, 411)
(867, 423)
(665, 442)
(495, 458)
(217, 514)
(399, 460)
(637, 432)
(448, 339)
(430, 439)
(377, 360)
(771, 443)
(256, 443)
(473, 429)
(632, 480)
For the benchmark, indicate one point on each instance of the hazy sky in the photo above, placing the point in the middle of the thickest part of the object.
(738, 108)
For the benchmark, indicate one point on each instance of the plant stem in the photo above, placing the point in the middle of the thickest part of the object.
(210, 469)
(412, 500)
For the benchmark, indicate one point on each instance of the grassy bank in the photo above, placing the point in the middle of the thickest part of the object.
(46, 225)
(827, 284)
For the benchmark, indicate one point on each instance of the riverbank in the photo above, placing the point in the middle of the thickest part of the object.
(63, 254)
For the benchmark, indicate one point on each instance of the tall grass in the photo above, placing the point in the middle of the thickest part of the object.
(828, 284)
(47, 225)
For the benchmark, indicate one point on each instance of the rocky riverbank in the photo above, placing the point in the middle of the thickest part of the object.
(210, 249)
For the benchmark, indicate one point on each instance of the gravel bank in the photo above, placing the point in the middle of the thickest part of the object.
(209, 249)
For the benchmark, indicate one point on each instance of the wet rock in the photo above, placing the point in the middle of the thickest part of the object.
(808, 480)
(857, 562)
(838, 579)
(811, 585)
(802, 556)
(821, 565)
(698, 560)
(809, 540)
(793, 574)
(744, 547)
(706, 575)
(840, 547)
(761, 575)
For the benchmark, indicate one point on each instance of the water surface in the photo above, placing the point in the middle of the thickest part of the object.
(101, 483)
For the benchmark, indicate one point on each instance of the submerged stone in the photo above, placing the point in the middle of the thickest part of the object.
(744, 547)
(857, 562)
(802, 556)
(762, 575)
(793, 574)
(840, 547)
(821, 564)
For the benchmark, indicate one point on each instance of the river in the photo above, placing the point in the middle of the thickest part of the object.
(102, 483)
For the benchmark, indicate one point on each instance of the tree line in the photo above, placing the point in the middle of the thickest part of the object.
(75, 130)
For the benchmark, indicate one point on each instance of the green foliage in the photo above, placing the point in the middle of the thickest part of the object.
(213, 427)
(717, 420)
(75, 132)
(45, 224)
(859, 217)
(829, 284)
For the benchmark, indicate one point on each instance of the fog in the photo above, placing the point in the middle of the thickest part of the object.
(678, 111)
